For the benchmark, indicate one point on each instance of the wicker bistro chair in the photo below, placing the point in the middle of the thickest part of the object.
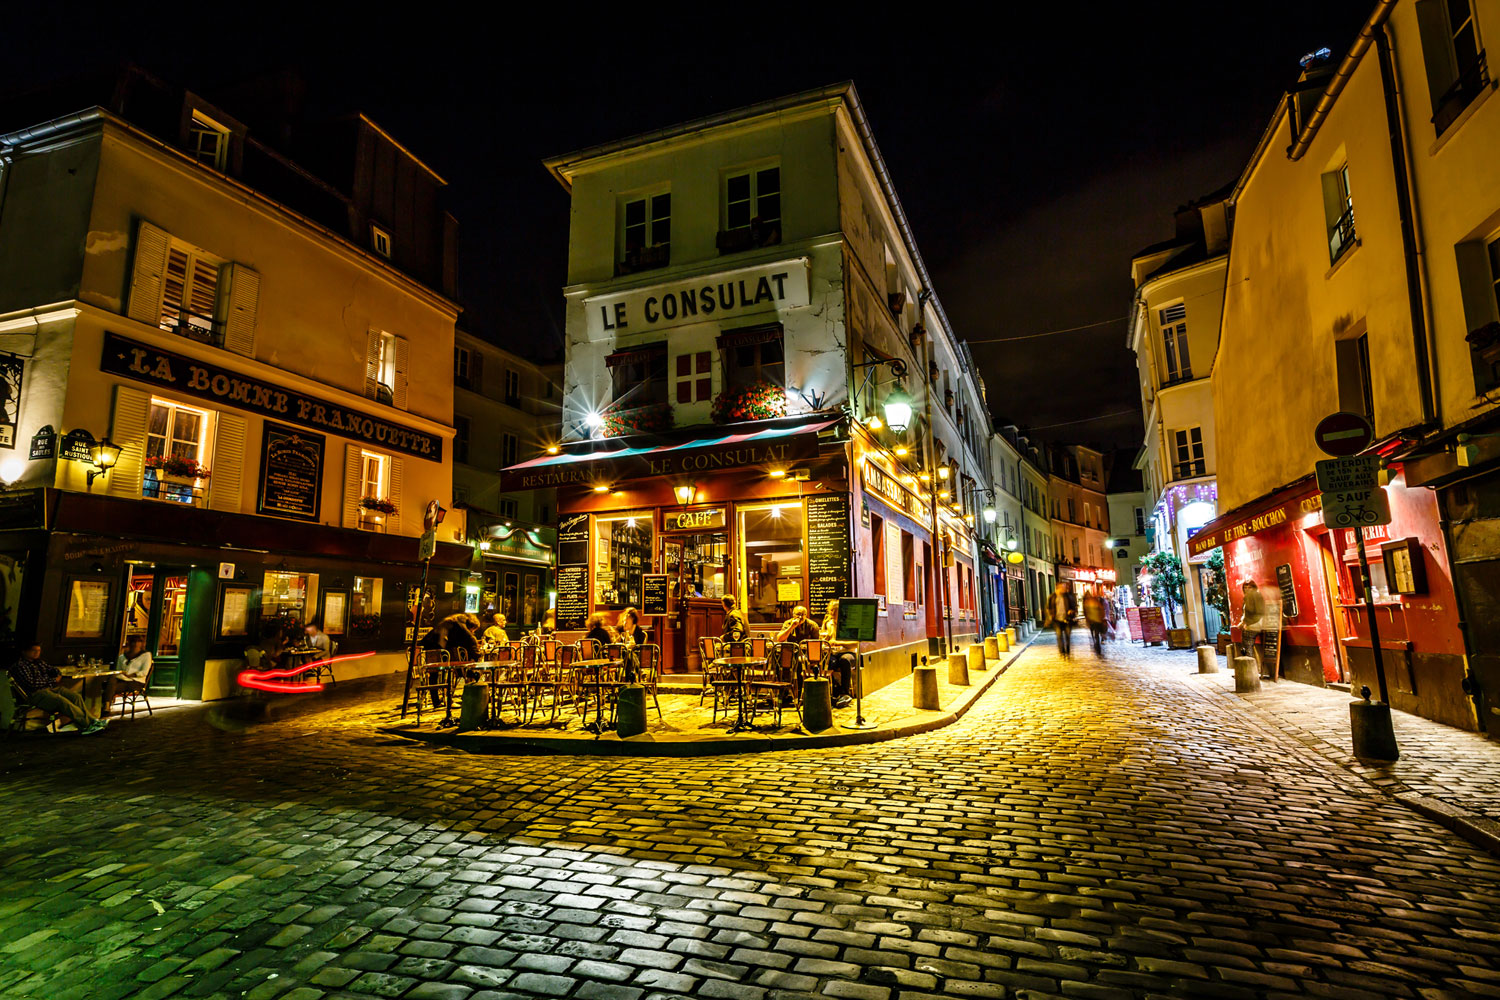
(648, 671)
(130, 699)
(588, 649)
(760, 646)
(725, 683)
(814, 656)
(605, 689)
(549, 650)
(708, 652)
(776, 677)
(435, 677)
(512, 683)
(554, 676)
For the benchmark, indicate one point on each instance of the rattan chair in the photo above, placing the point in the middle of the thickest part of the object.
(434, 673)
(648, 671)
(725, 684)
(775, 677)
(513, 683)
(708, 652)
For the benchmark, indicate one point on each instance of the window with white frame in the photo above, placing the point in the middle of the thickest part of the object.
(692, 381)
(208, 141)
(461, 366)
(380, 240)
(190, 289)
(1189, 447)
(176, 446)
(1175, 343)
(1140, 520)
(753, 197)
(375, 475)
(385, 367)
(1338, 212)
(646, 232)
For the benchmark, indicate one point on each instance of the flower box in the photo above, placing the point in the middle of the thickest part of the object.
(762, 400)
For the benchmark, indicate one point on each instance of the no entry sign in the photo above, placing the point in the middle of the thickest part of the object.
(1343, 433)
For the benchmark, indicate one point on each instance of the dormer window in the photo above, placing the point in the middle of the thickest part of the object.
(208, 141)
(380, 240)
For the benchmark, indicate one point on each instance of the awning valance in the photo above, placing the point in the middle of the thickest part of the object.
(634, 355)
(713, 449)
(1286, 504)
(749, 335)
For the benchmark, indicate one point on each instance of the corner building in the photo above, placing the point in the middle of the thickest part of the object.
(267, 351)
(744, 299)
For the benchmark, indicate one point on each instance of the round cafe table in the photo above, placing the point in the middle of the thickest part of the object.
(738, 664)
(597, 666)
(84, 677)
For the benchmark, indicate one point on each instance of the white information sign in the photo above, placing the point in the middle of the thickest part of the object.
(1356, 508)
(1356, 472)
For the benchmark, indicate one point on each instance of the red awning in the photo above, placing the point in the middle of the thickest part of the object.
(750, 335)
(634, 355)
(1271, 511)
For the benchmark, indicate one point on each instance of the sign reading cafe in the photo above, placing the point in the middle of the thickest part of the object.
(154, 366)
(727, 295)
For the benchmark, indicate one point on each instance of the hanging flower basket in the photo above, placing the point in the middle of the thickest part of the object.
(380, 505)
(365, 626)
(759, 401)
(640, 420)
(179, 468)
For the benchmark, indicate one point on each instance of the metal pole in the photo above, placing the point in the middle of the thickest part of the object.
(416, 626)
(1364, 575)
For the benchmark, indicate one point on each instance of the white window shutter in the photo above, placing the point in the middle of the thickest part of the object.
(372, 364)
(353, 478)
(227, 474)
(128, 430)
(398, 391)
(145, 278)
(398, 475)
(241, 300)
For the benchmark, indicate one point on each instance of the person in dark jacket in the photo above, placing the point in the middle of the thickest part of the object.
(453, 634)
(40, 681)
(736, 625)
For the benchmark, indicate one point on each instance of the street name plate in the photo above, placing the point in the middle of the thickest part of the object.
(1357, 472)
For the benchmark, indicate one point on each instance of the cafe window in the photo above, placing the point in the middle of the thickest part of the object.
(622, 553)
(693, 380)
(771, 561)
(176, 440)
(639, 376)
(697, 563)
(287, 596)
(364, 596)
(877, 552)
(374, 477)
(909, 563)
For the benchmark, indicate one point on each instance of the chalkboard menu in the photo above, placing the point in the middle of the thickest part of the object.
(1153, 626)
(573, 541)
(291, 473)
(1288, 590)
(1270, 643)
(828, 553)
(654, 594)
(572, 597)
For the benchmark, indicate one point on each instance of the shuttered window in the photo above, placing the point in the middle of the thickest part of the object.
(377, 476)
(386, 357)
(1175, 343)
(186, 290)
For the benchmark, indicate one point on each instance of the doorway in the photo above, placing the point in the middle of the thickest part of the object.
(156, 609)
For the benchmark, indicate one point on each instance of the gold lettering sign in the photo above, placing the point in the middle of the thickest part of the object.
(693, 520)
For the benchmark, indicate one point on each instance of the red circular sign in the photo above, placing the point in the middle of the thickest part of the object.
(1343, 433)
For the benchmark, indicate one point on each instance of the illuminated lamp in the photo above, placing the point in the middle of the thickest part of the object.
(902, 451)
(552, 449)
(104, 455)
(595, 419)
(484, 545)
(898, 410)
(989, 515)
(874, 423)
(601, 488)
(943, 494)
(1010, 543)
(774, 474)
(685, 494)
(943, 472)
(11, 470)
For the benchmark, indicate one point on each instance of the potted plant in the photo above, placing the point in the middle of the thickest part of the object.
(640, 420)
(173, 469)
(763, 400)
(1217, 592)
(376, 506)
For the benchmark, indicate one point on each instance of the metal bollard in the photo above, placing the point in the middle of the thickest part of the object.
(1246, 674)
(1370, 727)
(1208, 660)
(817, 704)
(474, 706)
(630, 713)
(924, 688)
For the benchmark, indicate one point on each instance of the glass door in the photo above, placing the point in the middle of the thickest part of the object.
(772, 579)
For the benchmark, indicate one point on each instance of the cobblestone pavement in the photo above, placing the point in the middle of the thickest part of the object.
(1089, 830)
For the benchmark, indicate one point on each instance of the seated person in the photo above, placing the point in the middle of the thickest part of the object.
(736, 625)
(548, 626)
(842, 658)
(798, 628)
(315, 639)
(628, 628)
(455, 635)
(38, 680)
(134, 666)
(599, 631)
(495, 634)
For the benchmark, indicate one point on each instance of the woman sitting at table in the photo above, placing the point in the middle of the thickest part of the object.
(134, 666)
(841, 657)
(599, 631)
(628, 628)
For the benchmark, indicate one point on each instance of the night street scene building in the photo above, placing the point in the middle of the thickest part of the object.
(747, 560)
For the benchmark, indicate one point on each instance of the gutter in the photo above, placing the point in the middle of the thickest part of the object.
(1341, 76)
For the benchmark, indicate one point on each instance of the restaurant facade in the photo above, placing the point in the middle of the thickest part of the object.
(744, 306)
(207, 433)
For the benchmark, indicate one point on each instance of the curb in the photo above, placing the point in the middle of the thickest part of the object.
(711, 747)
(1477, 829)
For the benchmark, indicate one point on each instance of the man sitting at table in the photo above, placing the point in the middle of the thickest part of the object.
(134, 666)
(798, 628)
(38, 680)
(842, 657)
(316, 639)
(496, 635)
(736, 625)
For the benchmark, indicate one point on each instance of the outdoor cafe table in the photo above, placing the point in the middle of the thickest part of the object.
(85, 676)
(597, 665)
(739, 663)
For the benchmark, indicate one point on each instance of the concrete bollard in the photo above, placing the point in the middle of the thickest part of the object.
(630, 713)
(1246, 674)
(817, 704)
(1208, 660)
(924, 688)
(1370, 726)
(1012, 635)
(976, 657)
(474, 707)
(958, 668)
(1003, 642)
(992, 646)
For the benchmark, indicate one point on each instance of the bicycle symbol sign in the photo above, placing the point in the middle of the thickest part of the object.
(1356, 508)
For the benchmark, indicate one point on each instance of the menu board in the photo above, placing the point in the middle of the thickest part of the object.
(573, 541)
(1133, 620)
(1270, 643)
(291, 473)
(1153, 626)
(234, 618)
(572, 597)
(1288, 589)
(654, 594)
(857, 616)
(828, 553)
(88, 606)
(335, 605)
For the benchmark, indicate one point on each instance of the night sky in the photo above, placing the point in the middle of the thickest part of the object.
(1033, 156)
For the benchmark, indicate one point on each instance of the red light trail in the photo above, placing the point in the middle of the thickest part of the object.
(274, 680)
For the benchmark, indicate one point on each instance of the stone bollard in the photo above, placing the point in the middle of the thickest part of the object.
(924, 688)
(1246, 674)
(630, 714)
(1012, 635)
(1370, 726)
(958, 668)
(1208, 660)
(1003, 642)
(817, 704)
(992, 646)
(473, 708)
(976, 657)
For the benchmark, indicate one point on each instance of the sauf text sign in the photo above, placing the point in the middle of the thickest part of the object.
(143, 363)
(753, 290)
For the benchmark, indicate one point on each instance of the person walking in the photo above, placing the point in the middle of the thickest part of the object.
(1060, 611)
(1096, 618)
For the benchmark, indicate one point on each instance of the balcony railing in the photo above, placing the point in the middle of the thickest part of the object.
(1341, 236)
(1187, 470)
(195, 326)
(645, 258)
(1469, 85)
(156, 485)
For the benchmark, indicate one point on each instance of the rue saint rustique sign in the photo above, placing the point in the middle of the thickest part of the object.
(602, 468)
(154, 366)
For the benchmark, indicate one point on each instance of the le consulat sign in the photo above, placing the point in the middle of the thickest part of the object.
(154, 366)
(749, 291)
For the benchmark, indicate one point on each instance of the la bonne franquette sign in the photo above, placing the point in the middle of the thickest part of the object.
(728, 295)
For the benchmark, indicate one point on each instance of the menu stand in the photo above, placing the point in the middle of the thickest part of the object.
(859, 696)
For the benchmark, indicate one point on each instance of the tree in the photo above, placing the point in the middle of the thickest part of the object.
(1216, 587)
(1165, 571)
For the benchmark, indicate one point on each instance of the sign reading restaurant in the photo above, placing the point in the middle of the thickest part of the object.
(154, 366)
(727, 295)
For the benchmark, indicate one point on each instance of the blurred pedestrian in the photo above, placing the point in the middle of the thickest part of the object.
(1060, 611)
(1095, 616)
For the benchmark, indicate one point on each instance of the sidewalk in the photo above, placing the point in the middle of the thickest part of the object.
(1449, 775)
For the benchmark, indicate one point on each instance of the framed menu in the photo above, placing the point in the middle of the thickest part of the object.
(88, 609)
(335, 611)
(291, 473)
(654, 588)
(234, 612)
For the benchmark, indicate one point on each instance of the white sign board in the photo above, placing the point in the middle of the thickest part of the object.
(1356, 472)
(729, 295)
(226, 571)
(1356, 508)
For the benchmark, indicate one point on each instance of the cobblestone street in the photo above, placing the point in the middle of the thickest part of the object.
(1090, 830)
